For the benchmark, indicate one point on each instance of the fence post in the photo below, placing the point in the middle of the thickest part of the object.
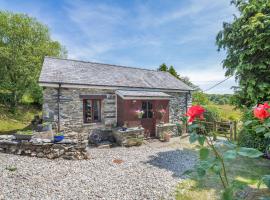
(234, 129)
(214, 126)
(231, 130)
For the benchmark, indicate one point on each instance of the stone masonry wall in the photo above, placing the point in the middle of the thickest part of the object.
(177, 105)
(71, 108)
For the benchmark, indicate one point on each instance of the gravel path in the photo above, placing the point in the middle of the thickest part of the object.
(148, 172)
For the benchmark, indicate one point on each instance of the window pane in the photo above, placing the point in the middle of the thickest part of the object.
(96, 110)
(87, 111)
(144, 108)
(150, 110)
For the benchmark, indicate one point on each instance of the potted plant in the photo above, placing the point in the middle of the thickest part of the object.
(59, 137)
(162, 112)
(167, 137)
(139, 113)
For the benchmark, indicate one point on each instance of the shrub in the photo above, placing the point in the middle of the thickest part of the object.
(212, 113)
(254, 132)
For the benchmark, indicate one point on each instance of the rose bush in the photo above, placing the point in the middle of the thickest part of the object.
(212, 157)
(255, 132)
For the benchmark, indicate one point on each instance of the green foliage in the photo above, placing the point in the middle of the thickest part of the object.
(199, 98)
(266, 180)
(247, 45)
(220, 99)
(11, 168)
(163, 67)
(11, 122)
(254, 133)
(212, 113)
(23, 44)
(212, 159)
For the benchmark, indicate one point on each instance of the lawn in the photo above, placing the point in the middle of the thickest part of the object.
(10, 122)
(245, 171)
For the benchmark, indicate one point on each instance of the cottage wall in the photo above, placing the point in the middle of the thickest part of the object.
(177, 105)
(71, 107)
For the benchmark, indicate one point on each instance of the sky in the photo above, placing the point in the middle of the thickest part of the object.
(139, 33)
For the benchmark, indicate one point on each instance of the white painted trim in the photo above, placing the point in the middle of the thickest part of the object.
(64, 85)
(143, 98)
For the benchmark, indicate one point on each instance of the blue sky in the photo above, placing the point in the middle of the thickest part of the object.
(139, 33)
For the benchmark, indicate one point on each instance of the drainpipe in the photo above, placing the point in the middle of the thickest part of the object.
(58, 107)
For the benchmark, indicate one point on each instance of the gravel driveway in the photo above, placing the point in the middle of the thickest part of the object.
(150, 171)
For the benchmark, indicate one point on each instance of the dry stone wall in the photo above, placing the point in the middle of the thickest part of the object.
(42, 149)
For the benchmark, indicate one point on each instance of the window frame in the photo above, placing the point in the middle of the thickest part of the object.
(92, 111)
(147, 110)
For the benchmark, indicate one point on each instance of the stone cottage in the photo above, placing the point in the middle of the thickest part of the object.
(83, 96)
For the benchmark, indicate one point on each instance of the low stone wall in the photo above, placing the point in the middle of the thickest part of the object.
(65, 150)
(163, 128)
(130, 137)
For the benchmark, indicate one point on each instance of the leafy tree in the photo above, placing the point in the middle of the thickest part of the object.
(23, 44)
(163, 67)
(247, 44)
(173, 72)
(200, 98)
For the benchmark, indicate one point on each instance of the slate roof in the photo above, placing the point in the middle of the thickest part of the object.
(56, 70)
(134, 93)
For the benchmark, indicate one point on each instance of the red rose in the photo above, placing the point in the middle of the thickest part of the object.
(195, 112)
(261, 112)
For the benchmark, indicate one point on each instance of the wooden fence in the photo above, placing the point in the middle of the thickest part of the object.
(228, 128)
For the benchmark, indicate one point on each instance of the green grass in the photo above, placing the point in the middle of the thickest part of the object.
(228, 112)
(19, 120)
(245, 171)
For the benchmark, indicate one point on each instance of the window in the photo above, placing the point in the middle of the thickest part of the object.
(91, 110)
(147, 107)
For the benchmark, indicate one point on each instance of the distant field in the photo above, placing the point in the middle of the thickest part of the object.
(11, 122)
(228, 112)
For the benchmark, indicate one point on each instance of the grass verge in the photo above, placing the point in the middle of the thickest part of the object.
(245, 171)
(11, 122)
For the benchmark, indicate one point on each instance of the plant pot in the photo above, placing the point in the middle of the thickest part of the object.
(58, 138)
(167, 137)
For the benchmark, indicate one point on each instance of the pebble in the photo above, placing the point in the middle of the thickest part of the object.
(147, 172)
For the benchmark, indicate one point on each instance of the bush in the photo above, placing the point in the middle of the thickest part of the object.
(249, 137)
(212, 113)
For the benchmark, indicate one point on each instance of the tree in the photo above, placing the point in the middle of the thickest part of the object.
(200, 98)
(23, 44)
(163, 67)
(173, 72)
(247, 44)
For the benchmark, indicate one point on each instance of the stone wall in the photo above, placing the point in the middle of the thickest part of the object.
(177, 105)
(41, 149)
(161, 129)
(71, 108)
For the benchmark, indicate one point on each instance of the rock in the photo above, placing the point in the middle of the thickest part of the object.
(33, 154)
(44, 135)
(19, 152)
(7, 137)
(50, 156)
(40, 155)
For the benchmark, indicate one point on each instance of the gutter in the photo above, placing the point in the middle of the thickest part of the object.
(78, 85)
